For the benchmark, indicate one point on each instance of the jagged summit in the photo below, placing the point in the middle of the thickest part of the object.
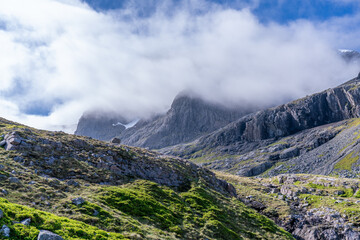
(309, 133)
(188, 118)
(350, 55)
(101, 125)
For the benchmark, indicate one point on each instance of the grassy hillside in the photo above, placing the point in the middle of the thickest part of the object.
(126, 192)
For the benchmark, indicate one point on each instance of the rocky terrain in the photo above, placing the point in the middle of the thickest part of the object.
(101, 125)
(188, 118)
(308, 206)
(71, 187)
(316, 134)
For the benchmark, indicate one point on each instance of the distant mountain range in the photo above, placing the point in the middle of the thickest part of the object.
(188, 118)
(285, 139)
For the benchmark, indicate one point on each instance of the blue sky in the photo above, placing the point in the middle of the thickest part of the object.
(280, 11)
(60, 58)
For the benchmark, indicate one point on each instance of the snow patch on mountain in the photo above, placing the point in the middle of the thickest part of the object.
(128, 125)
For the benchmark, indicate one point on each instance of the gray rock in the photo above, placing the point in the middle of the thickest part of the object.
(2, 143)
(339, 192)
(47, 235)
(26, 221)
(330, 234)
(115, 140)
(1, 214)
(78, 201)
(96, 212)
(14, 180)
(5, 231)
(289, 153)
(73, 183)
(188, 118)
(351, 235)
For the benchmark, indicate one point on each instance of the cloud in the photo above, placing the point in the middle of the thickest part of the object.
(63, 58)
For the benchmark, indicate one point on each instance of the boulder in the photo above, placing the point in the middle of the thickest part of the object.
(78, 201)
(115, 140)
(47, 235)
(26, 221)
(5, 231)
(289, 153)
(14, 180)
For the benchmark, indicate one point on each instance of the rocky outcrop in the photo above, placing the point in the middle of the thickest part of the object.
(189, 118)
(330, 106)
(100, 125)
(307, 206)
(47, 235)
(56, 154)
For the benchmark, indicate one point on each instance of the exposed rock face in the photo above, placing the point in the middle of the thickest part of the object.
(100, 125)
(53, 156)
(330, 106)
(188, 118)
(308, 206)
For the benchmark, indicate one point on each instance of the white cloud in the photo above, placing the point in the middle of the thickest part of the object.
(65, 54)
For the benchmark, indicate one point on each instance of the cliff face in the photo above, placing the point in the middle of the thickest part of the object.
(187, 119)
(322, 108)
(316, 134)
(101, 126)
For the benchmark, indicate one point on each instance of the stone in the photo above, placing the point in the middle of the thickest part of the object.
(14, 140)
(26, 221)
(289, 153)
(14, 180)
(5, 231)
(73, 183)
(339, 192)
(78, 201)
(47, 235)
(115, 140)
(1, 214)
(18, 159)
(96, 212)
(2, 143)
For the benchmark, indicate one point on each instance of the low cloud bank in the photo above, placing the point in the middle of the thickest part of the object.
(61, 58)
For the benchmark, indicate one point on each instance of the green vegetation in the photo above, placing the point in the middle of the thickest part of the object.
(347, 162)
(116, 206)
(214, 216)
(67, 228)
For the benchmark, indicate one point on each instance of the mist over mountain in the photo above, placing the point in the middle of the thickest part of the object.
(135, 64)
(188, 118)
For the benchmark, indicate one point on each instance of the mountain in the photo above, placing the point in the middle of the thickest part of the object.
(295, 131)
(188, 118)
(101, 125)
(350, 55)
(60, 186)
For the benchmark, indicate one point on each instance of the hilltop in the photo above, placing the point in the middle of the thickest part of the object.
(81, 188)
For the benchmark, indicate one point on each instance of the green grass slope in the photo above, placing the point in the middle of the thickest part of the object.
(128, 193)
